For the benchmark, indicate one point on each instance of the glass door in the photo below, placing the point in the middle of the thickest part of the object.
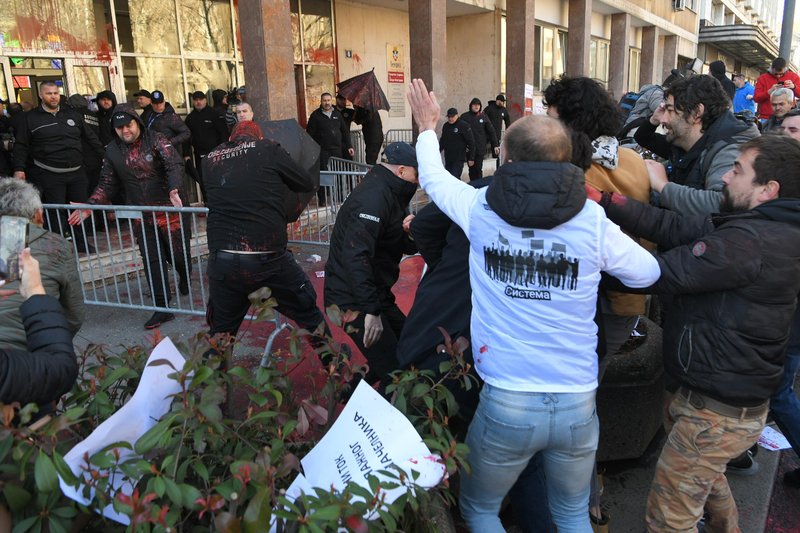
(29, 72)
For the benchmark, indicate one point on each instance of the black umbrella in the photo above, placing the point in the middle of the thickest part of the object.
(303, 150)
(364, 91)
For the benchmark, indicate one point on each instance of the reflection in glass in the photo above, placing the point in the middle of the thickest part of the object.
(634, 67)
(154, 73)
(3, 88)
(206, 26)
(208, 75)
(90, 80)
(73, 25)
(319, 79)
(147, 26)
(317, 31)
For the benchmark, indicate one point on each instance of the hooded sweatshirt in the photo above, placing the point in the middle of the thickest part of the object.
(107, 133)
(482, 128)
(534, 335)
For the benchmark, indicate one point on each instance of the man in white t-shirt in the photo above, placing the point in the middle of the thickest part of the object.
(534, 345)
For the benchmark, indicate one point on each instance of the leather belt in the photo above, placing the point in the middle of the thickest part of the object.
(701, 401)
(268, 253)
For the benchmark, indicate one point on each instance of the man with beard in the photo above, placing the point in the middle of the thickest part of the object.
(148, 167)
(734, 278)
(701, 144)
(106, 102)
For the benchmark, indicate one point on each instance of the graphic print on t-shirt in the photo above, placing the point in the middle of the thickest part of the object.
(531, 273)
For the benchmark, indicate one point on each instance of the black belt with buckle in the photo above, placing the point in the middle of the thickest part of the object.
(701, 401)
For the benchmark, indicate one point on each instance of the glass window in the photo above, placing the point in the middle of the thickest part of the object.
(90, 80)
(634, 67)
(206, 26)
(154, 73)
(317, 29)
(3, 88)
(203, 75)
(147, 26)
(551, 58)
(319, 79)
(598, 60)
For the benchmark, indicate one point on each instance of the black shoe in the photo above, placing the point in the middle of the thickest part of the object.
(183, 286)
(744, 465)
(157, 319)
(792, 478)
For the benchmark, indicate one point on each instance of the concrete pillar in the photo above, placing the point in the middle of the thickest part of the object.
(579, 38)
(266, 27)
(520, 54)
(427, 30)
(670, 60)
(619, 59)
(649, 70)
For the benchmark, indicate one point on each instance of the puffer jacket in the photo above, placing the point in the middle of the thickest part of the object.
(368, 242)
(147, 169)
(735, 279)
(60, 280)
(47, 368)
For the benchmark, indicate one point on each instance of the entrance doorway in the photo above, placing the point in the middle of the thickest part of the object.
(27, 73)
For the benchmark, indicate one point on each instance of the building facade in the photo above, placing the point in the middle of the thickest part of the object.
(297, 49)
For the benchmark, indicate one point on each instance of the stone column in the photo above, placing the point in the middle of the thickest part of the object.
(579, 38)
(266, 28)
(670, 60)
(427, 30)
(520, 54)
(649, 70)
(619, 59)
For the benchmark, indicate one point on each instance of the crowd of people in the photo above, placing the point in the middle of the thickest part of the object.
(546, 265)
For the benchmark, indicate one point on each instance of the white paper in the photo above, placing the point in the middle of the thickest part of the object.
(773, 439)
(370, 435)
(149, 403)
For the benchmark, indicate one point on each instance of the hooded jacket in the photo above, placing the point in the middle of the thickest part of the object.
(696, 177)
(107, 133)
(147, 169)
(482, 129)
(717, 70)
(534, 332)
(735, 278)
(368, 242)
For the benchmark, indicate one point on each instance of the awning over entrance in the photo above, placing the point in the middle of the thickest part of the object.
(744, 41)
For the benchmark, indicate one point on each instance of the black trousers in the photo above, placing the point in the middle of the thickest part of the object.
(372, 147)
(161, 243)
(232, 277)
(455, 168)
(60, 188)
(476, 170)
(381, 356)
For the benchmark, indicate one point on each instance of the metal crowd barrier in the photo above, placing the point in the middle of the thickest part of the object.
(398, 136)
(359, 147)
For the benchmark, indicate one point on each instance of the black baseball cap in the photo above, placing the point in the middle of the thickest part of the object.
(501, 97)
(157, 97)
(143, 92)
(120, 119)
(400, 153)
(452, 112)
(197, 95)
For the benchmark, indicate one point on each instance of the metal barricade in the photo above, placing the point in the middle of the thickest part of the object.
(398, 136)
(359, 147)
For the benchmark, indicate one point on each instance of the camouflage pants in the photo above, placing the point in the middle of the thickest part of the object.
(690, 473)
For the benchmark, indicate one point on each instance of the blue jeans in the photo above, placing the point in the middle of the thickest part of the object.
(784, 404)
(509, 428)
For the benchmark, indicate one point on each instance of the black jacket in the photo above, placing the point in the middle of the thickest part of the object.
(107, 133)
(55, 140)
(368, 242)
(245, 185)
(208, 129)
(332, 134)
(497, 115)
(457, 142)
(348, 113)
(482, 130)
(735, 278)
(49, 367)
(371, 125)
(170, 125)
(148, 169)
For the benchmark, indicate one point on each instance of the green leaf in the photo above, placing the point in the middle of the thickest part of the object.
(65, 512)
(189, 495)
(327, 514)
(202, 374)
(201, 470)
(152, 436)
(45, 473)
(16, 497)
(158, 486)
(115, 375)
(63, 470)
(56, 526)
(258, 512)
(27, 524)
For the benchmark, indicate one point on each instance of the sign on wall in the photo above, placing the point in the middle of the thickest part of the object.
(395, 65)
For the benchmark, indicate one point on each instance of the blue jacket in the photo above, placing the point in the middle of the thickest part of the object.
(740, 101)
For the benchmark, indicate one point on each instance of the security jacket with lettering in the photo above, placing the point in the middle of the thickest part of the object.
(735, 278)
(368, 242)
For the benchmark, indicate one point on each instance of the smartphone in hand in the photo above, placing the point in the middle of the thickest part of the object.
(13, 238)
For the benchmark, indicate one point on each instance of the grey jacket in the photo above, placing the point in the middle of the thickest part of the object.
(60, 279)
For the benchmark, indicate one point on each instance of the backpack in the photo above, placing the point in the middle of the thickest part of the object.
(628, 101)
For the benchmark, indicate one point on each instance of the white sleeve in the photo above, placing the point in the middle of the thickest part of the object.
(624, 259)
(454, 197)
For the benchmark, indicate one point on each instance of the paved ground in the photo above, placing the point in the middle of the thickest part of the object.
(627, 482)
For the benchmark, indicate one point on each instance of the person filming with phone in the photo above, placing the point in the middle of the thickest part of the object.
(48, 367)
(777, 77)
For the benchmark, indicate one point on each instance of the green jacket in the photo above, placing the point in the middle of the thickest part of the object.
(60, 279)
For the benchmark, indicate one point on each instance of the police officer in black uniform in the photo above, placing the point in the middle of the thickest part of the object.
(457, 143)
(484, 132)
(368, 241)
(246, 179)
